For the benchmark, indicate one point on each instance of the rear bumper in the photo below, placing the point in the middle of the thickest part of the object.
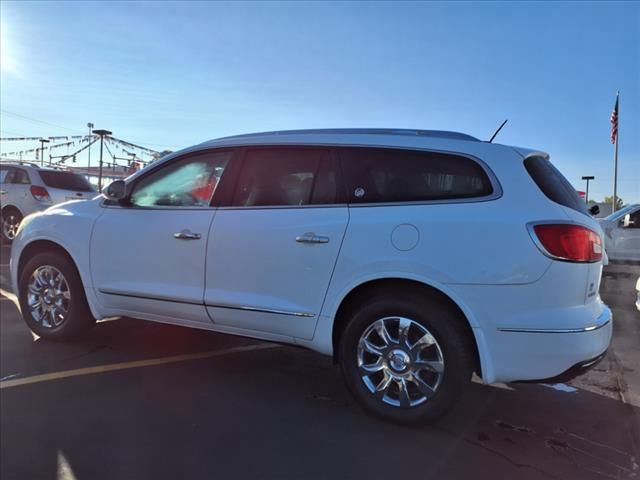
(578, 369)
(519, 354)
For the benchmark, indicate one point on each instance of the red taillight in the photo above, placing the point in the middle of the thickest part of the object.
(40, 193)
(572, 243)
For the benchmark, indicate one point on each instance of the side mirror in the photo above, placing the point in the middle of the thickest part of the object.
(594, 210)
(116, 190)
(626, 221)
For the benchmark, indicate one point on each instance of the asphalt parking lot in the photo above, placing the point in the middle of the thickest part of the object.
(142, 400)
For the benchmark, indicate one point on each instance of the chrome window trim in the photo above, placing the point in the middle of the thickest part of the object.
(285, 207)
(156, 207)
(493, 179)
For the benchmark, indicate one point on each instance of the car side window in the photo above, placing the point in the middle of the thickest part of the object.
(634, 219)
(20, 176)
(379, 175)
(286, 177)
(187, 182)
(4, 174)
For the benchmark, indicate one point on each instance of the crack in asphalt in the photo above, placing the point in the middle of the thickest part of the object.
(507, 458)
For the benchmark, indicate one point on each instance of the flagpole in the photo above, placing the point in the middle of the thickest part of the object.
(615, 156)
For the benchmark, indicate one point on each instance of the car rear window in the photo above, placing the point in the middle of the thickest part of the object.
(65, 180)
(553, 184)
(379, 175)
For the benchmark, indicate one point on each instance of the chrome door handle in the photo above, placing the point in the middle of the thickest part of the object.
(3, 192)
(312, 238)
(187, 235)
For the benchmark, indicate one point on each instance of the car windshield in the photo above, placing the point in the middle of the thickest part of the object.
(66, 181)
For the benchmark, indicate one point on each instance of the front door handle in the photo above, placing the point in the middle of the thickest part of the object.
(187, 235)
(311, 237)
(3, 192)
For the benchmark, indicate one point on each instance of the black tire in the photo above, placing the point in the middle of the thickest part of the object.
(78, 318)
(9, 214)
(445, 326)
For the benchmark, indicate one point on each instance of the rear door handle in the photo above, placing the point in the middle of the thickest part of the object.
(187, 235)
(3, 192)
(311, 237)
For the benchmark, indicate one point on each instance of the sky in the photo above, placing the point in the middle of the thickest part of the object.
(168, 75)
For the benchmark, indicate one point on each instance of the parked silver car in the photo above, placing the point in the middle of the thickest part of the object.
(26, 188)
(622, 233)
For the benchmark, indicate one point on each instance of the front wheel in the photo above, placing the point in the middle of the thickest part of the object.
(52, 297)
(406, 359)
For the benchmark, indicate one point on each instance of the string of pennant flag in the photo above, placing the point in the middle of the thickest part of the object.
(74, 140)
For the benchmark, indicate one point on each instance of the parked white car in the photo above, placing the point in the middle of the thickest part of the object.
(413, 257)
(26, 188)
(622, 234)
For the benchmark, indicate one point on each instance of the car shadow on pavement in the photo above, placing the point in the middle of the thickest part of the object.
(276, 413)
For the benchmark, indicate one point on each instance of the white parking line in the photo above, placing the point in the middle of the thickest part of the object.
(7, 295)
(17, 382)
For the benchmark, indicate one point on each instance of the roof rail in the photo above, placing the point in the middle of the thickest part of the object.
(363, 131)
(20, 162)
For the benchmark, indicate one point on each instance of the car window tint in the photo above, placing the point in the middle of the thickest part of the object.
(65, 180)
(284, 177)
(388, 175)
(189, 182)
(20, 176)
(4, 174)
(553, 184)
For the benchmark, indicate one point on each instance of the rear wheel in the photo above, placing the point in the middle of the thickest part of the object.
(52, 297)
(406, 359)
(11, 219)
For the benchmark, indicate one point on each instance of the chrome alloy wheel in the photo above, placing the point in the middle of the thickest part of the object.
(48, 296)
(10, 225)
(400, 362)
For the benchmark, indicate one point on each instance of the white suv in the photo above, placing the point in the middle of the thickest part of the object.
(413, 257)
(26, 188)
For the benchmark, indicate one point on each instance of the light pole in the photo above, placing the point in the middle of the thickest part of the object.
(90, 126)
(42, 142)
(586, 195)
(102, 133)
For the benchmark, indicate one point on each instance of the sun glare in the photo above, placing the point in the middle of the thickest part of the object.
(8, 62)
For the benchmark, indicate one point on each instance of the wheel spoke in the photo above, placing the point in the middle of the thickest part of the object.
(369, 368)
(382, 332)
(40, 277)
(436, 366)
(371, 348)
(383, 386)
(403, 331)
(52, 316)
(423, 386)
(403, 395)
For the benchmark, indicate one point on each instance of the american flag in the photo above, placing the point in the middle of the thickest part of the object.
(614, 123)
